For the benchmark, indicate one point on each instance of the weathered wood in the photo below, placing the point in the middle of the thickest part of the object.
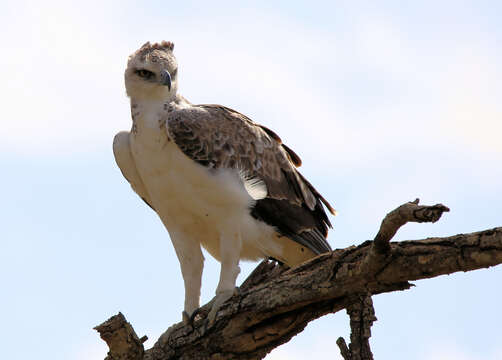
(408, 212)
(121, 339)
(270, 310)
(362, 316)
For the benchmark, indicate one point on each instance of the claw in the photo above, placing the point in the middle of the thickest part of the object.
(190, 319)
(219, 300)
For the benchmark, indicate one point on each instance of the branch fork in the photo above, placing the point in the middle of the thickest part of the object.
(276, 303)
(361, 311)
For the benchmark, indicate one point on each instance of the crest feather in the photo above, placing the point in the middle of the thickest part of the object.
(167, 45)
(163, 45)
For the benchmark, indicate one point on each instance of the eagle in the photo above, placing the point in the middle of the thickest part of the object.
(215, 178)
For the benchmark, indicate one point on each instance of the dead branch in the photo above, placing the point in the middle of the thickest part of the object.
(275, 304)
(362, 316)
(408, 212)
(121, 338)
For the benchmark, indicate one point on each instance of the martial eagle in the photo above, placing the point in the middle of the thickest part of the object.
(215, 178)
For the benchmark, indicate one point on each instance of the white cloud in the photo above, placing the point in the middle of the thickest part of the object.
(59, 81)
(92, 351)
(472, 110)
(69, 94)
(452, 350)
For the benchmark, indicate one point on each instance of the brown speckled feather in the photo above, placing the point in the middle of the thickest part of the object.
(219, 137)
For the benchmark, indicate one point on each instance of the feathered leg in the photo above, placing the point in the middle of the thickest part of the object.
(230, 248)
(192, 262)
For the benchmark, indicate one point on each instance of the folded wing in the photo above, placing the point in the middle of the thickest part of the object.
(218, 137)
(126, 164)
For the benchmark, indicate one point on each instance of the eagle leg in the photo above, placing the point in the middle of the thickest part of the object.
(230, 249)
(191, 262)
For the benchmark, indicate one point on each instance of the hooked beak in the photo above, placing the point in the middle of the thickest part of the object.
(165, 78)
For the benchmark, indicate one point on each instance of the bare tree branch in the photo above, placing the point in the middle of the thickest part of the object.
(275, 304)
(362, 316)
(344, 350)
(361, 311)
(121, 338)
(408, 212)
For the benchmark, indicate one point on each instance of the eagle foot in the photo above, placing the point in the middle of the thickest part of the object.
(198, 314)
(218, 301)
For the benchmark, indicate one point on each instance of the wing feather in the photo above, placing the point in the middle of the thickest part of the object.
(219, 137)
(127, 166)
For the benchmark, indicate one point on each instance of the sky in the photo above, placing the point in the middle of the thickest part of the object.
(384, 101)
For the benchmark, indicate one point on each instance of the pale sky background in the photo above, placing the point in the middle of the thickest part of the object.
(385, 101)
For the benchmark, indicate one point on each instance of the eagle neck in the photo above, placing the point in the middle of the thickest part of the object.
(147, 114)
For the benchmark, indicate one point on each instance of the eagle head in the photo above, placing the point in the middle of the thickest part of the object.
(152, 72)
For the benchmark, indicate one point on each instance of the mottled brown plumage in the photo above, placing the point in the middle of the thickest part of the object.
(219, 137)
(215, 178)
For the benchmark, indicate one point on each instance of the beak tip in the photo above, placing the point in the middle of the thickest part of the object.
(166, 78)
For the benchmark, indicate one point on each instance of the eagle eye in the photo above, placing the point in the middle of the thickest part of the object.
(145, 74)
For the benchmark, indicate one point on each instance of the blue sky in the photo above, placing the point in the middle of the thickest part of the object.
(385, 102)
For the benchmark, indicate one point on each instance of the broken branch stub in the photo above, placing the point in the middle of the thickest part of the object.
(121, 339)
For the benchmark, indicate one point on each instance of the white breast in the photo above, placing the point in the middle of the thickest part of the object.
(187, 196)
(191, 199)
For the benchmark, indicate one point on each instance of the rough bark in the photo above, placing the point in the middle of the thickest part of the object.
(275, 303)
(362, 316)
(121, 338)
(360, 310)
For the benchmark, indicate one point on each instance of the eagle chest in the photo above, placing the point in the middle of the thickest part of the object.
(183, 192)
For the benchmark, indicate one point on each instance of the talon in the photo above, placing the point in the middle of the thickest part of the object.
(219, 300)
(196, 312)
(190, 319)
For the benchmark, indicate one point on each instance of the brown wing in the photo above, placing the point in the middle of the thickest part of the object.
(218, 137)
